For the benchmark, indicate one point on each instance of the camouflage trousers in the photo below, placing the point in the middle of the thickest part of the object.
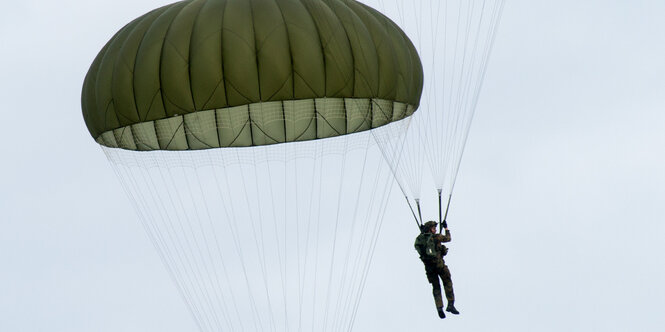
(435, 272)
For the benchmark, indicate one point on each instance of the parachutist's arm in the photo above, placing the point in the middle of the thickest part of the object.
(444, 237)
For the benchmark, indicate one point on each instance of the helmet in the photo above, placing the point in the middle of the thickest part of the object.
(430, 224)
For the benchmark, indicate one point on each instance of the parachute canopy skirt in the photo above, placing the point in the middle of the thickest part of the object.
(244, 134)
(214, 73)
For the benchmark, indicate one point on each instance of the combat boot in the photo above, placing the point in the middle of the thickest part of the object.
(442, 314)
(451, 309)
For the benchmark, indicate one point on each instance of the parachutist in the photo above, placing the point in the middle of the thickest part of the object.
(430, 247)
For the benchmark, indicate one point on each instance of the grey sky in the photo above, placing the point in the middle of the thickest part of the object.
(556, 220)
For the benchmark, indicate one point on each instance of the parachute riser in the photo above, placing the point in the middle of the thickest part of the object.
(420, 215)
(413, 212)
(440, 220)
(445, 216)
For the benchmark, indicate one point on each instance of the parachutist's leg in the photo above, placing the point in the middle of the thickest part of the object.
(448, 288)
(447, 284)
(433, 279)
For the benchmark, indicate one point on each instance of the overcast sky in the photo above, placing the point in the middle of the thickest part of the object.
(557, 220)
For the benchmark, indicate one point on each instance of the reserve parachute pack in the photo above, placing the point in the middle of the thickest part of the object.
(426, 246)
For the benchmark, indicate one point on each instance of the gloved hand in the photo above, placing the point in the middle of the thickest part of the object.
(444, 224)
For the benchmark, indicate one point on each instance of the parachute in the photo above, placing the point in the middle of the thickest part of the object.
(243, 134)
(454, 39)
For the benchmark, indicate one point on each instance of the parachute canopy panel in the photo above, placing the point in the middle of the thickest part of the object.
(203, 74)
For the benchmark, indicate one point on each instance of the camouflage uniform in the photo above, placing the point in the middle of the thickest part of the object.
(437, 268)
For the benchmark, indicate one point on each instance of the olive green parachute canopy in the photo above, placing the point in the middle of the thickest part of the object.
(204, 74)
